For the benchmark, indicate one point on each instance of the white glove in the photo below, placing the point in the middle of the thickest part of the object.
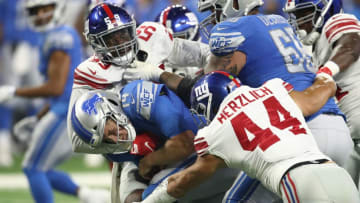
(143, 71)
(23, 129)
(7, 92)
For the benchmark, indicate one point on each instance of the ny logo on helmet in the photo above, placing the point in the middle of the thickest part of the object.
(202, 91)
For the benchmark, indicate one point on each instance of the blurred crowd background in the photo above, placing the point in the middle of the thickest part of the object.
(19, 60)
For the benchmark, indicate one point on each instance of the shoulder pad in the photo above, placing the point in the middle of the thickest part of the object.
(340, 24)
(61, 40)
(156, 40)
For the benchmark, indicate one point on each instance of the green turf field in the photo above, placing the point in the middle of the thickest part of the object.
(21, 195)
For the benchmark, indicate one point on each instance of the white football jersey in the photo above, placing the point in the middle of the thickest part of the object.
(261, 131)
(334, 28)
(168, 53)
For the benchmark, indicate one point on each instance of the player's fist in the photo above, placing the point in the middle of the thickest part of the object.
(7, 92)
(24, 128)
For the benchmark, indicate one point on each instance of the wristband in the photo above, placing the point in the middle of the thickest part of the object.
(329, 68)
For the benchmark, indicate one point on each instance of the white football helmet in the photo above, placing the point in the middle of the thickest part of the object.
(90, 113)
(32, 5)
(244, 7)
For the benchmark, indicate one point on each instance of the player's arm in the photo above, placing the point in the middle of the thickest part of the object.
(314, 97)
(58, 70)
(346, 50)
(178, 184)
(232, 63)
(187, 53)
(342, 32)
(175, 149)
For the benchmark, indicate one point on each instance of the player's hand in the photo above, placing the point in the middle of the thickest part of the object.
(23, 129)
(146, 169)
(143, 71)
(7, 92)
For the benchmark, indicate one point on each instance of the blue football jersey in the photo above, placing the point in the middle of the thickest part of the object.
(272, 51)
(66, 39)
(154, 108)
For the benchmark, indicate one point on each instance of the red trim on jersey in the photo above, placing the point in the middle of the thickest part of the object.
(104, 66)
(90, 76)
(162, 66)
(340, 94)
(108, 12)
(288, 86)
(340, 19)
(294, 188)
(199, 139)
(336, 27)
(286, 194)
(200, 146)
(91, 84)
(341, 30)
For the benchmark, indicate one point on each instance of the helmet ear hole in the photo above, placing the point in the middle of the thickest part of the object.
(142, 55)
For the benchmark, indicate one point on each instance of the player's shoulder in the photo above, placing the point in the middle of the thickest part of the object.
(340, 17)
(140, 96)
(277, 84)
(340, 24)
(225, 38)
(62, 37)
(93, 73)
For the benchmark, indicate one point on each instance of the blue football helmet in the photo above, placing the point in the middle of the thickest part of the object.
(315, 11)
(111, 32)
(181, 21)
(90, 113)
(210, 90)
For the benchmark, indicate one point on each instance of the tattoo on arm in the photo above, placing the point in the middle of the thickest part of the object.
(222, 63)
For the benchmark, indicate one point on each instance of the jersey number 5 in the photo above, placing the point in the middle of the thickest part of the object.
(264, 138)
(145, 32)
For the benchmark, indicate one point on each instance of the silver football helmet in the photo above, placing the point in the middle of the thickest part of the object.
(90, 113)
(243, 8)
(216, 6)
(57, 18)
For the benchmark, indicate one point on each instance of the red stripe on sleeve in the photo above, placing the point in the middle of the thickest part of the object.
(357, 28)
(83, 81)
(338, 26)
(201, 146)
(90, 76)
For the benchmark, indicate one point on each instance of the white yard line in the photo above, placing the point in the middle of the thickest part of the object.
(18, 180)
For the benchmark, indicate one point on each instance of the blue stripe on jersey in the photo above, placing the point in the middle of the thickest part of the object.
(48, 137)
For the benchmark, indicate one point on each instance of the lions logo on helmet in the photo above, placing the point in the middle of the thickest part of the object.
(90, 113)
(110, 30)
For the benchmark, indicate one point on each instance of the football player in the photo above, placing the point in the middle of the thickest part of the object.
(334, 37)
(263, 132)
(49, 145)
(105, 124)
